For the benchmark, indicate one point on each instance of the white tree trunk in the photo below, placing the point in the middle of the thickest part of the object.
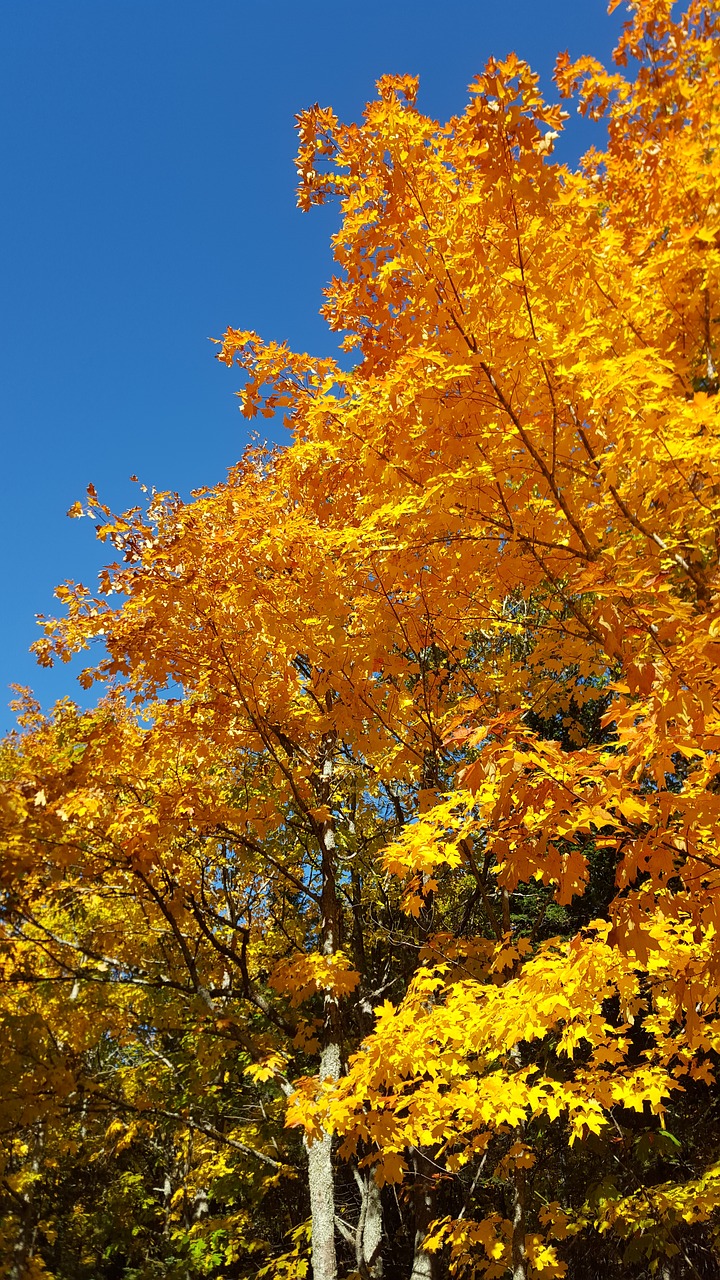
(372, 1230)
(519, 1257)
(422, 1261)
(423, 1267)
(320, 1164)
(368, 1234)
(322, 1184)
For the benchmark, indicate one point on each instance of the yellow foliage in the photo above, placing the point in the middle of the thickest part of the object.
(391, 714)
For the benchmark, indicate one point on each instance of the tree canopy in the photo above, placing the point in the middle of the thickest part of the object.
(368, 924)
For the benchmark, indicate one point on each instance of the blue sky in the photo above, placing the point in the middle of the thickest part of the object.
(149, 202)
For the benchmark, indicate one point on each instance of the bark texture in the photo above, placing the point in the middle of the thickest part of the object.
(320, 1162)
(322, 1185)
(423, 1267)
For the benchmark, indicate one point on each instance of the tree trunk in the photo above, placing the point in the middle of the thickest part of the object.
(24, 1246)
(519, 1257)
(320, 1164)
(322, 1184)
(373, 1231)
(368, 1234)
(519, 1179)
(423, 1267)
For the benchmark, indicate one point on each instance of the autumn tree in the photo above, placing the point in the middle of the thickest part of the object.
(386, 867)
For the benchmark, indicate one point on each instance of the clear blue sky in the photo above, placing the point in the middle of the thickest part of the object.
(148, 202)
